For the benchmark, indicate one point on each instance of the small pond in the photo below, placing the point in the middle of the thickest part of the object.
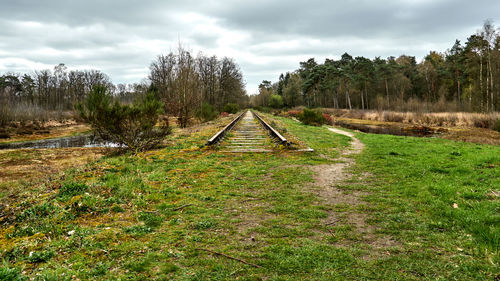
(389, 130)
(73, 141)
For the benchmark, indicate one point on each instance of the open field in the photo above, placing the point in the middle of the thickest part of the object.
(402, 208)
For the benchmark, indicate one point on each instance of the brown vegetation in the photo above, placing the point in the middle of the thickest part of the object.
(447, 119)
(37, 130)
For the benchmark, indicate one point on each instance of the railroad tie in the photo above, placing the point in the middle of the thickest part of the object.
(247, 136)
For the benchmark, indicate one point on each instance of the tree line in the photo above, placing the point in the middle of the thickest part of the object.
(465, 77)
(52, 90)
(187, 83)
(184, 83)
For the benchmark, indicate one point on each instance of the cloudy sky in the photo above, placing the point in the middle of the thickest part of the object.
(265, 37)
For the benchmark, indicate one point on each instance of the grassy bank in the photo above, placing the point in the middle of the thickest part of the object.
(187, 213)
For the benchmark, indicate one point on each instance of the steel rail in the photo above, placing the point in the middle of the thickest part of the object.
(272, 132)
(220, 134)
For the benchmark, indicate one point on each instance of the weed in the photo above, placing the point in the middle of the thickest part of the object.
(41, 256)
(51, 276)
(204, 224)
(138, 230)
(71, 189)
(11, 274)
(150, 219)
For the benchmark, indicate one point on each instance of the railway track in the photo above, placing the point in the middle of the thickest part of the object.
(247, 133)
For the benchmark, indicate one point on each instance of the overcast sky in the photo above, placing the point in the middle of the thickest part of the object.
(264, 37)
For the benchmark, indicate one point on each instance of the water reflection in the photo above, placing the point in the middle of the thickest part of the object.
(397, 131)
(74, 141)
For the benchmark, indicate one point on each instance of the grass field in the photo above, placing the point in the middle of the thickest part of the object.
(429, 209)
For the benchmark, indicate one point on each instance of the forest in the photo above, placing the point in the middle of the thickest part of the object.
(183, 82)
(466, 77)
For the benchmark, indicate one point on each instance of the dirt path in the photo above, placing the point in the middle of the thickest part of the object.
(329, 175)
(329, 178)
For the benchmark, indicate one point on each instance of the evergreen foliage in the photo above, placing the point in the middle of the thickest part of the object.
(312, 117)
(131, 125)
(231, 108)
(207, 112)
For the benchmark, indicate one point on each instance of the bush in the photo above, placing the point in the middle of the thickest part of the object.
(483, 122)
(276, 101)
(311, 117)
(328, 119)
(496, 127)
(294, 113)
(263, 109)
(231, 108)
(207, 112)
(131, 125)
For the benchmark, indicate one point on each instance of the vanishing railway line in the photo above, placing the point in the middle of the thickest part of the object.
(247, 133)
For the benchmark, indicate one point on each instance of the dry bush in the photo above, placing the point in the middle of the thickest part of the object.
(483, 122)
(335, 112)
(328, 119)
(294, 113)
(392, 116)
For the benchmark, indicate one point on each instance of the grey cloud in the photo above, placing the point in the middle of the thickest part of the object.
(264, 37)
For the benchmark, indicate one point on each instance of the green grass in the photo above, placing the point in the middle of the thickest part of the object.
(152, 216)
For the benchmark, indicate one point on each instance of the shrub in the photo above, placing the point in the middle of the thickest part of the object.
(276, 101)
(496, 127)
(294, 113)
(207, 112)
(311, 117)
(131, 125)
(231, 108)
(328, 119)
(482, 122)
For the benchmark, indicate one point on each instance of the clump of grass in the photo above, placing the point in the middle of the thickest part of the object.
(138, 230)
(71, 189)
(11, 274)
(41, 256)
(204, 224)
(150, 219)
(37, 212)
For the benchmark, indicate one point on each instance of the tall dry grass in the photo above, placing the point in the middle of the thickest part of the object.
(28, 112)
(449, 119)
